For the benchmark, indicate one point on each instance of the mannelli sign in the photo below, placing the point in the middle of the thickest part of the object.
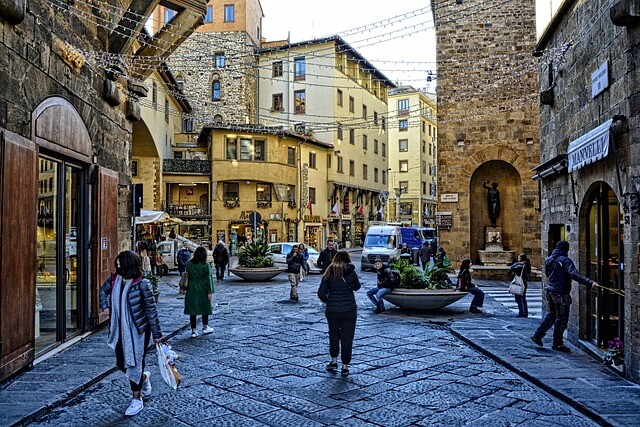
(590, 147)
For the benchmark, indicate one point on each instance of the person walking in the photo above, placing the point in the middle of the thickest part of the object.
(384, 285)
(294, 266)
(559, 269)
(425, 254)
(441, 261)
(221, 259)
(465, 284)
(326, 256)
(305, 256)
(197, 301)
(127, 297)
(337, 286)
(183, 256)
(522, 268)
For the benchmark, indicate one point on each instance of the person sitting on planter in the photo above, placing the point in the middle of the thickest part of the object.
(294, 263)
(465, 284)
(384, 285)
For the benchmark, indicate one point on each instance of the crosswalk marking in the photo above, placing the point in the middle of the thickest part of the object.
(501, 294)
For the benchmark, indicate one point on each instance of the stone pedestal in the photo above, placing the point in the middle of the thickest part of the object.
(494, 253)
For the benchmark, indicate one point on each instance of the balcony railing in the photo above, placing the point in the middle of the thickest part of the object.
(189, 166)
(188, 209)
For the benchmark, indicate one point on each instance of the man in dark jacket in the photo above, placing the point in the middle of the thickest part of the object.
(425, 254)
(183, 256)
(384, 285)
(560, 270)
(294, 265)
(220, 259)
(326, 256)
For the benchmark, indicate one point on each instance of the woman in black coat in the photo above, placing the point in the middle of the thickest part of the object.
(336, 290)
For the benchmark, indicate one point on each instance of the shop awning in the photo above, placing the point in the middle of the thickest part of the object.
(147, 217)
(590, 147)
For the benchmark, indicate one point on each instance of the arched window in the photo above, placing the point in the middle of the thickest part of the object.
(215, 91)
(217, 118)
(180, 82)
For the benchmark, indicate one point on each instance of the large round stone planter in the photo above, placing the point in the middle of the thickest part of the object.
(423, 299)
(257, 274)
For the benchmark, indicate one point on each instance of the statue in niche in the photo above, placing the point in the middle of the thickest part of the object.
(493, 201)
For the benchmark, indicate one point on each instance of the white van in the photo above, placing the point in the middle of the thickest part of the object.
(383, 241)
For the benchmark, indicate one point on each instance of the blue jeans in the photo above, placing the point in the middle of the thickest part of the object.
(377, 299)
(478, 296)
(557, 316)
(521, 300)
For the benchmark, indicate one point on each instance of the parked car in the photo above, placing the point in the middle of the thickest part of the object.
(280, 250)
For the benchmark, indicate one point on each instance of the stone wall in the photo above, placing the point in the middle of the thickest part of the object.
(487, 111)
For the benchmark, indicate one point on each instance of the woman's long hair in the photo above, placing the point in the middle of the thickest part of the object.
(335, 271)
(464, 266)
(200, 255)
(130, 265)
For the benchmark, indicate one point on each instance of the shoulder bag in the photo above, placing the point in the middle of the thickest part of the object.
(517, 284)
(184, 282)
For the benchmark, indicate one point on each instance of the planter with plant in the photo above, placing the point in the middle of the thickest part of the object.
(615, 353)
(418, 290)
(255, 263)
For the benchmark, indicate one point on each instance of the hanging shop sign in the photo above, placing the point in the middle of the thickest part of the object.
(590, 148)
(444, 219)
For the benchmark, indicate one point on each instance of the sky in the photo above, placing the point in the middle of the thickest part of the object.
(401, 32)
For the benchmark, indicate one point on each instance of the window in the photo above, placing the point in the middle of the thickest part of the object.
(168, 15)
(403, 107)
(291, 156)
(154, 95)
(208, 17)
(340, 165)
(166, 110)
(232, 149)
(364, 142)
(424, 187)
(312, 195)
(424, 126)
(375, 174)
(276, 102)
(300, 68)
(365, 172)
(352, 136)
(403, 145)
(406, 208)
(312, 160)
(424, 166)
(403, 166)
(352, 168)
(375, 117)
(276, 69)
(231, 191)
(375, 146)
(134, 168)
(263, 192)
(291, 193)
(187, 125)
(177, 154)
(403, 125)
(384, 177)
(340, 136)
(219, 60)
(429, 130)
(364, 111)
(384, 123)
(259, 152)
(300, 100)
(404, 186)
(180, 83)
(339, 97)
(229, 13)
(384, 149)
(215, 91)
(329, 161)
(352, 104)
(424, 146)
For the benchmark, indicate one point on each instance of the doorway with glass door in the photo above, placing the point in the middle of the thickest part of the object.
(604, 238)
(59, 307)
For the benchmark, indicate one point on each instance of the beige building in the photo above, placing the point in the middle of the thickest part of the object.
(325, 89)
(412, 157)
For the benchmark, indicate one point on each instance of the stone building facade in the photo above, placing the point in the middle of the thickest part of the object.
(590, 170)
(66, 129)
(487, 125)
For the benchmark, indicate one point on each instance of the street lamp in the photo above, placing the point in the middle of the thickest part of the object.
(398, 193)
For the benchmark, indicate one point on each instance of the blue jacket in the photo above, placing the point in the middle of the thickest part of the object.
(183, 256)
(560, 270)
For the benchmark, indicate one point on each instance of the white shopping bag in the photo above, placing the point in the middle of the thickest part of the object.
(166, 363)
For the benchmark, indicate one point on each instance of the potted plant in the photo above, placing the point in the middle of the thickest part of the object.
(255, 263)
(615, 353)
(429, 290)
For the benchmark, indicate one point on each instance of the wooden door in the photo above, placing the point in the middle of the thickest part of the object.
(105, 234)
(18, 213)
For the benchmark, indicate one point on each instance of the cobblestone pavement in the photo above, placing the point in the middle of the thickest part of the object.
(265, 365)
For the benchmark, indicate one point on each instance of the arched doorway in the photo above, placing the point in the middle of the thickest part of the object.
(510, 217)
(604, 242)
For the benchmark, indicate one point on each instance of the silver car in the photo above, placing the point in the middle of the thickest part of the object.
(279, 252)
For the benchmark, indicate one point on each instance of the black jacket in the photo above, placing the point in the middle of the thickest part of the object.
(220, 255)
(339, 296)
(294, 262)
(560, 269)
(143, 306)
(384, 277)
(325, 258)
(425, 253)
(518, 269)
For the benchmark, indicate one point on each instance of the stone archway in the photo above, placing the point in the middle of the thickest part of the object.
(511, 212)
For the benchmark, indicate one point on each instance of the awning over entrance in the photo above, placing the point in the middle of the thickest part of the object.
(147, 217)
(590, 148)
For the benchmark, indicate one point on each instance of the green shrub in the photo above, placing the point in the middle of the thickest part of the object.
(412, 277)
(255, 255)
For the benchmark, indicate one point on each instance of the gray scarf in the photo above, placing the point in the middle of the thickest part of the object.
(122, 328)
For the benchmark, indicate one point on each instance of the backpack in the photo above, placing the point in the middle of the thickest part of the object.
(394, 275)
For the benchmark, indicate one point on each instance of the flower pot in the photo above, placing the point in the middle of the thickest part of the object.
(257, 274)
(423, 299)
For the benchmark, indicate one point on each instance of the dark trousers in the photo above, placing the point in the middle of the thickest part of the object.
(521, 300)
(220, 271)
(342, 328)
(478, 296)
(120, 359)
(558, 317)
(192, 320)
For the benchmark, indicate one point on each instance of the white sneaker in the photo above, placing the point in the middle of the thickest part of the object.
(207, 330)
(135, 407)
(146, 386)
(194, 334)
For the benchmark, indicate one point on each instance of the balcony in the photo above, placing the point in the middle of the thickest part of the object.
(186, 166)
(193, 210)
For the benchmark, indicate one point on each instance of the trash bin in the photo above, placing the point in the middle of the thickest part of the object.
(415, 260)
